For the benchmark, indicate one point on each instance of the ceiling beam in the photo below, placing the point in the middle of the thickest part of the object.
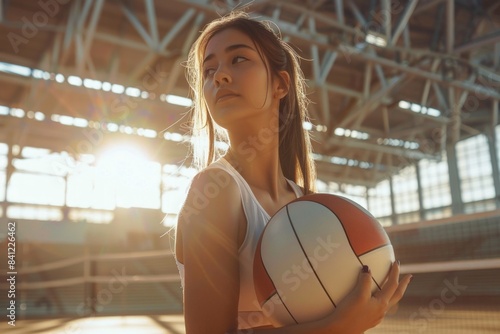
(484, 91)
(176, 29)
(339, 10)
(328, 176)
(71, 25)
(320, 40)
(177, 68)
(326, 65)
(55, 53)
(151, 14)
(369, 48)
(80, 27)
(89, 36)
(129, 43)
(363, 107)
(491, 38)
(494, 113)
(320, 17)
(138, 26)
(367, 80)
(163, 44)
(455, 117)
(386, 18)
(335, 89)
(406, 37)
(314, 52)
(450, 25)
(426, 5)
(365, 145)
(329, 172)
(403, 21)
(410, 131)
(101, 36)
(427, 86)
(357, 13)
(319, 76)
(438, 92)
(496, 57)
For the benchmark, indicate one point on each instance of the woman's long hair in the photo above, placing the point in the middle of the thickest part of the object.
(294, 143)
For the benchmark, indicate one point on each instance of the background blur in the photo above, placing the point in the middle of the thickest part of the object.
(94, 159)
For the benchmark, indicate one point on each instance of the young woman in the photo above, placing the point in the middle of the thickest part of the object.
(249, 92)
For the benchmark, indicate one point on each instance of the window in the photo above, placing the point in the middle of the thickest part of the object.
(90, 216)
(474, 169)
(138, 185)
(175, 183)
(35, 180)
(39, 161)
(405, 187)
(379, 200)
(33, 212)
(36, 189)
(115, 181)
(435, 185)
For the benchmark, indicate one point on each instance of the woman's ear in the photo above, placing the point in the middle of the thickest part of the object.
(282, 85)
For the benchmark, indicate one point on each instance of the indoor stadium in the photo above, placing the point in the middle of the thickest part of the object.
(95, 157)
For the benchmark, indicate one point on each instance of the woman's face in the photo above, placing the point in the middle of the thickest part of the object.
(236, 84)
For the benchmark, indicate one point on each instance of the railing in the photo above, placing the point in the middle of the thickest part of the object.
(88, 276)
(103, 284)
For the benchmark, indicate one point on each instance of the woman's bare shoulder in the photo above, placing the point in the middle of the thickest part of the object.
(213, 193)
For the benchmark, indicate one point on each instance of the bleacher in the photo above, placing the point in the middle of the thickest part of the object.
(470, 243)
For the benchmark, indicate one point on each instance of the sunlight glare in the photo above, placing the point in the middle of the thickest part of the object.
(131, 175)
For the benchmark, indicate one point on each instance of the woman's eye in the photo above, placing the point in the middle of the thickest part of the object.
(238, 59)
(208, 72)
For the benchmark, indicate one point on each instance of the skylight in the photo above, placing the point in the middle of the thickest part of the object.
(342, 161)
(95, 84)
(309, 127)
(417, 108)
(398, 143)
(15, 69)
(74, 80)
(375, 40)
(4, 110)
(352, 133)
(179, 100)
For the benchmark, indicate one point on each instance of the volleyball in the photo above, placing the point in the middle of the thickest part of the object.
(310, 254)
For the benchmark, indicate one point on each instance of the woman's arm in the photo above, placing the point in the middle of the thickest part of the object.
(208, 224)
(207, 244)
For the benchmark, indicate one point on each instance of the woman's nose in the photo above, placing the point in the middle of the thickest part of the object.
(222, 76)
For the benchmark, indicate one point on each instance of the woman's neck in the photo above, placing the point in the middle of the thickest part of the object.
(256, 158)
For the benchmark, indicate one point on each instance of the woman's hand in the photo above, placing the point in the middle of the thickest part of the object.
(361, 310)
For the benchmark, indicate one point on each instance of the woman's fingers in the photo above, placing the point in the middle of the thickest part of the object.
(393, 289)
(364, 282)
(400, 291)
(391, 285)
(375, 306)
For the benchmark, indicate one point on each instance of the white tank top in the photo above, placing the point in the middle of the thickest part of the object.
(249, 310)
